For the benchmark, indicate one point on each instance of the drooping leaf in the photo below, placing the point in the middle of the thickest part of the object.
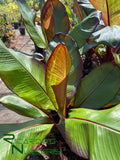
(34, 30)
(21, 107)
(108, 35)
(82, 31)
(16, 70)
(54, 19)
(23, 138)
(76, 66)
(110, 10)
(58, 67)
(99, 87)
(93, 134)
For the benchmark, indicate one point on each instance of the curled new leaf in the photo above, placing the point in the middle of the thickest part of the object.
(76, 66)
(58, 67)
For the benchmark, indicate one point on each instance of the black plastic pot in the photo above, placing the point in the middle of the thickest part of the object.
(16, 25)
(22, 30)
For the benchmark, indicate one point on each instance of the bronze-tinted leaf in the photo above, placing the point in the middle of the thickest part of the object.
(54, 19)
(110, 10)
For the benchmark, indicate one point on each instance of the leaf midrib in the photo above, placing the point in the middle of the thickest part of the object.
(30, 76)
(108, 13)
(96, 123)
(95, 88)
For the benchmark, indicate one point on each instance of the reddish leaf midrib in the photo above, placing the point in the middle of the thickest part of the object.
(95, 88)
(96, 123)
(108, 13)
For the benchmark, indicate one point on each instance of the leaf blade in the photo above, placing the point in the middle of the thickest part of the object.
(51, 24)
(95, 134)
(21, 107)
(106, 78)
(29, 20)
(20, 80)
(85, 28)
(28, 134)
(57, 70)
(75, 74)
(110, 11)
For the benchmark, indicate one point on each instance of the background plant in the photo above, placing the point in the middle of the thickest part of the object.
(7, 33)
(11, 10)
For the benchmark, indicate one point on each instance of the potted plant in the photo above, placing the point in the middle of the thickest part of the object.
(22, 26)
(52, 89)
(7, 33)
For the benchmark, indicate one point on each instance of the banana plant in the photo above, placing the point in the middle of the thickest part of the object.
(41, 88)
(56, 85)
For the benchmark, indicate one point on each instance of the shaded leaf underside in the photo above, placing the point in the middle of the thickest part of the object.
(83, 30)
(99, 87)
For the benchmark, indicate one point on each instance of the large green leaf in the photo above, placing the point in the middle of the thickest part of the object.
(57, 70)
(21, 107)
(54, 19)
(27, 135)
(76, 68)
(99, 87)
(108, 35)
(19, 74)
(82, 31)
(34, 30)
(93, 135)
(110, 10)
